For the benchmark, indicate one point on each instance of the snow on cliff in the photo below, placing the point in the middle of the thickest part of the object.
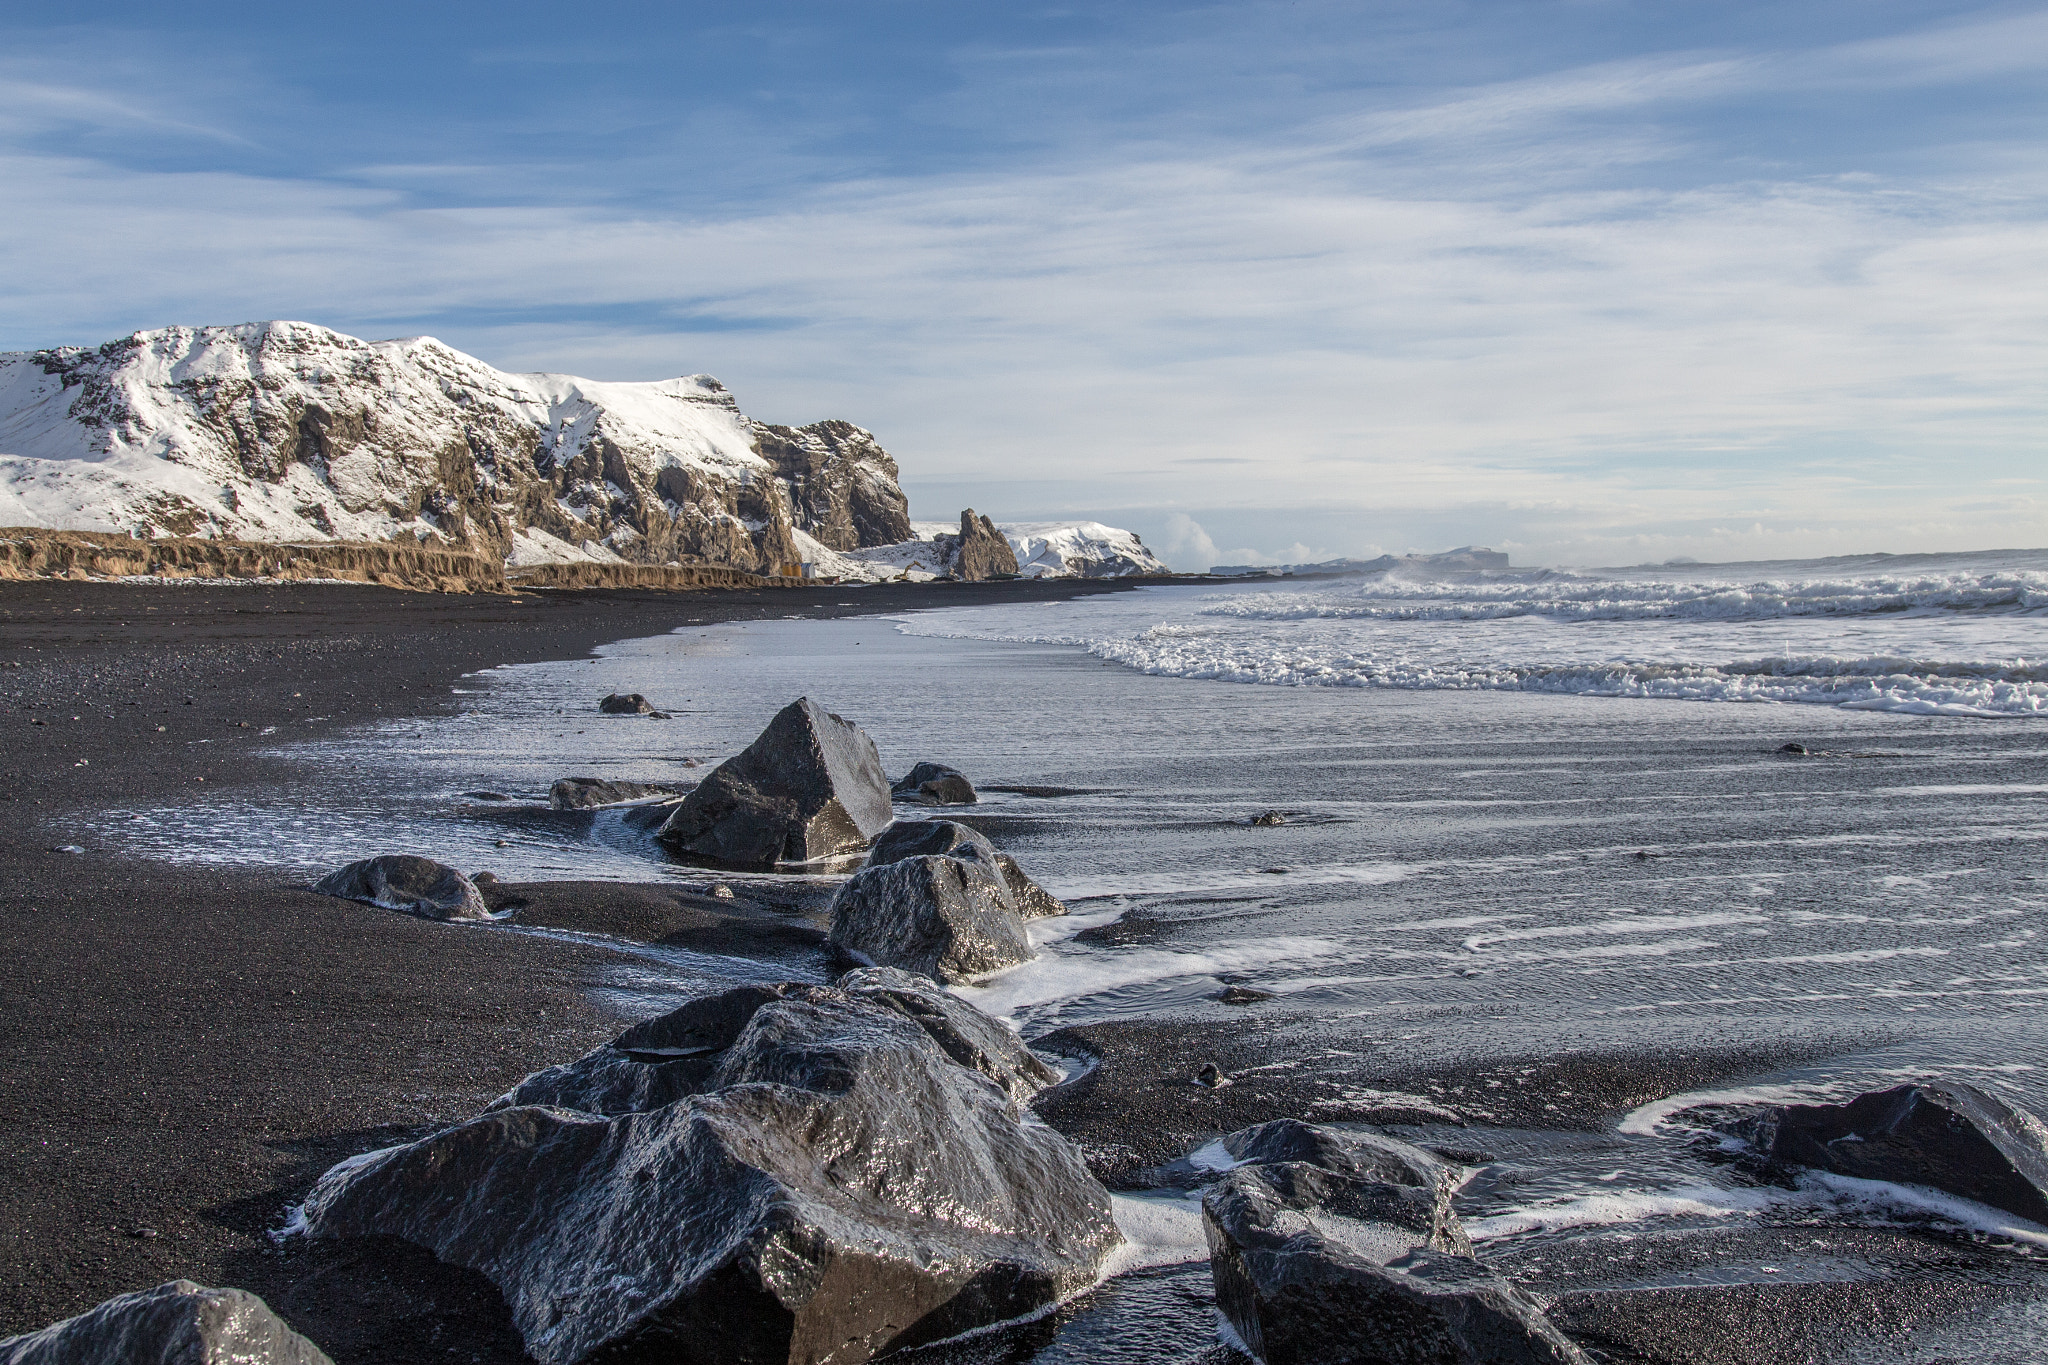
(1044, 549)
(288, 431)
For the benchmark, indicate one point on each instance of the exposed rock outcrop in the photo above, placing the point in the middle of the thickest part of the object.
(935, 784)
(35, 552)
(179, 1323)
(1946, 1135)
(1329, 1248)
(400, 881)
(627, 704)
(981, 551)
(810, 786)
(840, 1186)
(842, 484)
(281, 431)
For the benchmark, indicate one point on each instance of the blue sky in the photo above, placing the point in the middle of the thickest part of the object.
(1595, 282)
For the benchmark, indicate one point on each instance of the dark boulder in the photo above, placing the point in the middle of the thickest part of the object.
(840, 1187)
(1269, 818)
(588, 793)
(1327, 1252)
(627, 704)
(950, 917)
(809, 787)
(1949, 1136)
(935, 784)
(983, 551)
(399, 881)
(914, 838)
(180, 1323)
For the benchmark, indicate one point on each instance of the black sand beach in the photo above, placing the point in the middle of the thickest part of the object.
(187, 1047)
(1489, 923)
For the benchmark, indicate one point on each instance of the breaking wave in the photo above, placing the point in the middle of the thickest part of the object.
(1945, 635)
(1565, 596)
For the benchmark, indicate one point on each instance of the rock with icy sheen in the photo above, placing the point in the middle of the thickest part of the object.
(1946, 1135)
(400, 881)
(179, 1323)
(809, 787)
(627, 704)
(840, 1186)
(1331, 1247)
(588, 793)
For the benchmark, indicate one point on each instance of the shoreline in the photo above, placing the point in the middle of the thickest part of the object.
(191, 1045)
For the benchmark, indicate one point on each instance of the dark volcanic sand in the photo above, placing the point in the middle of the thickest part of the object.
(188, 1047)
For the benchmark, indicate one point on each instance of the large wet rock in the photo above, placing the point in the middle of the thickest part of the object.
(935, 784)
(1947, 1135)
(400, 881)
(1357, 1175)
(179, 1323)
(588, 793)
(949, 918)
(1332, 1248)
(840, 1186)
(627, 704)
(915, 838)
(937, 897)
(810, 786)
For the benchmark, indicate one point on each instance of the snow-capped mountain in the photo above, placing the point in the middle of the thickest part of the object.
(290, 431)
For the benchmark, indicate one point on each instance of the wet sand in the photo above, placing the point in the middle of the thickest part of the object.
(189, 1046)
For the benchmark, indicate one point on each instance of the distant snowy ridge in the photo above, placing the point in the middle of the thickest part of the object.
(1465, 557)
(276, 431)
(1044, 549)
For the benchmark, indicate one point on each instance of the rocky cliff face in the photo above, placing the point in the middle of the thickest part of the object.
(979, 551)
(288, 431)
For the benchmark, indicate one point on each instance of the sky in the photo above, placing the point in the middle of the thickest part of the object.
(1588, 281)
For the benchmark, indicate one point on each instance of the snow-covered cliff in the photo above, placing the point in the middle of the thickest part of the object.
(289, 431)
(1044, 549)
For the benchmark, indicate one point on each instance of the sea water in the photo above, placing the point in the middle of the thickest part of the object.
(1525, 814)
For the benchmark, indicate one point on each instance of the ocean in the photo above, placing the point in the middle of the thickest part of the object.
(1549, 887)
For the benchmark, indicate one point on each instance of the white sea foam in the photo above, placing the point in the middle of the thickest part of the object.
(1621, 1206)
(1077, 973)
(1937, 635)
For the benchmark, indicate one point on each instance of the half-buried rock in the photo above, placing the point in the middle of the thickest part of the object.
(1331, 1248)
(832, 1184)
(809, 787)
(588, 793)
(936, 897)
(180, 1323)
(1947, 1135)
(400, 881)
(935, 784)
